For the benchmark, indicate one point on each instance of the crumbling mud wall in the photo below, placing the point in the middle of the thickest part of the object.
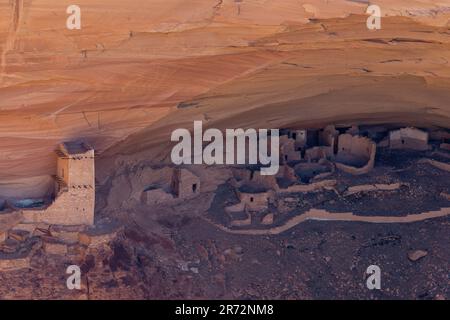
(266, 182)
(328, 136)
(287, 173)
(288, 150)
(311, 187)
(313, 170)
(256, 201)
(319, 152)
(356, 147)
(300, 137)
(185, 184)
(324, 215)
(408, 138)
(437, 164)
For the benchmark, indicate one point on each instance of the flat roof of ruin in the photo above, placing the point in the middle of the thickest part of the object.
(75, 148)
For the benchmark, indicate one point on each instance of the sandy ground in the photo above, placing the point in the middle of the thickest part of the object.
(314, 260)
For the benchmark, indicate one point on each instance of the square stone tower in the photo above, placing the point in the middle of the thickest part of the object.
(75, 185)
(74, 201)
(75, 165)
(184, 184)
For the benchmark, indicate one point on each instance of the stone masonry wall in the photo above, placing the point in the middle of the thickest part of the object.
(81, 172)
(73, 207)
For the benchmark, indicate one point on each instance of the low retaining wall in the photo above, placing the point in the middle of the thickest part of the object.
(315, 186)
(363, 170)
(373, 187)
(437, 164)
(69, 208)
(323, 215)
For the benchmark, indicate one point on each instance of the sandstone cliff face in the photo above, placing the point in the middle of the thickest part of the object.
(146, 67)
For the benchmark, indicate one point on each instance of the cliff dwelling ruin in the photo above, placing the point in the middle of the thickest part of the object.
(325, 163)
(361, 175)
(337, 173)
(328, 169)
(356, 173)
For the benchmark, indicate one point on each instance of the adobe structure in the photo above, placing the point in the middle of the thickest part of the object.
(173, 186)
(184, 184)
(321, 168)
(356, 154)
(408, 138)
(74, 196)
